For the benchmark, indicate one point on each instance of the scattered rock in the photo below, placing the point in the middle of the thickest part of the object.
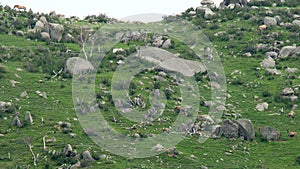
(229, 129)
(24, 94)
(42, 94)
(208, 3)
(268, 63)
(28, 117)
(273, 71)
(68, 149)
(270, 21)
(45, 36)
(292, 70)
(13, 83)
(167, 44)
(17, 122)
(56, 31)
(209, 14)
(286, 51)
(270, 133)
(246, 129)
(238, 128)
(87, 156)
(262, 106)
(273, 55)
(296, 22)
(20, 33)
(39, 26)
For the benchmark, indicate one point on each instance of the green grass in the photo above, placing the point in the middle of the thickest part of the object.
(242, 88)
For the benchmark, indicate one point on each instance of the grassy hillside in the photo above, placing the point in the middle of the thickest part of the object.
(31, 61)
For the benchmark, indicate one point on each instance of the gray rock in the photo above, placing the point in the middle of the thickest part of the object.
(238, 128)
(268, 63)
(39, 26)
(246, 129)
(287, 91)
(273, 71)
(278, 18)
(270, 21)
(170, 62)
(158, 41)
(17, 122)
(68, 38)
(262, 106)
(273, 55)
(43, 19)
(68, 149)
(286, 51)
(270, 133)
(167, 44)
(28, 117)
(292, 70)
(76, 166)
(296, 52)
(56, 31)
(87, 156)
(229, 129)
(208, 3)
(82, 65)
(20, 33)
(24, 94)
(296, 22)
(45, 36)
(209, 14)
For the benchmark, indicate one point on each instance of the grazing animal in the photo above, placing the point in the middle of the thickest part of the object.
(291, 114)
(166, 129)
(177, 107)
(20, 7)
(261, 27)
(291, 133)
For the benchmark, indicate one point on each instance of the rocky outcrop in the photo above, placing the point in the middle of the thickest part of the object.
(56, 31)
(238, 128)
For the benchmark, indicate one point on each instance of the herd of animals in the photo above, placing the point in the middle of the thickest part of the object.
(259, 30)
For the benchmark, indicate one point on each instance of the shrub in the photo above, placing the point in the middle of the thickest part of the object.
(246, 16)
(266, 93)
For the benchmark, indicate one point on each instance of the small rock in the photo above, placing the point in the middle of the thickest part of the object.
(28, 117)
(262, 106)
(24, 94)
(87, 156)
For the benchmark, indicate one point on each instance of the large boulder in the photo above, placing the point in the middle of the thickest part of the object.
(286, 51)
(229, 129)
(262, 106)
(43, 19)
(270, 21)
(56, 31)
(270, 133)
(268, 63)
(238, 128)
(209, 14)
(208, 3)
(296, 22)
(87, 156)
(170, 62)
(45, 36)
(246, 129)
(82, 65)
(39, 26)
